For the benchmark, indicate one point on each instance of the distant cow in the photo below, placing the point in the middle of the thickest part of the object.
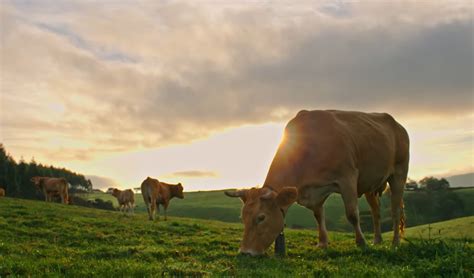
(351, 153)
(156, 193)
(52, 187)
(2, 192)
(125, 198)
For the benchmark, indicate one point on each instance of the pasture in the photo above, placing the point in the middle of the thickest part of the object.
(214, 205)
(50, 239)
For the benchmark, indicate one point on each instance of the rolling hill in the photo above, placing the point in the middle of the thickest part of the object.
(50, 239)
(214, 205)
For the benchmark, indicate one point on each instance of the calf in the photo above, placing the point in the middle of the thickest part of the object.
(125, 198)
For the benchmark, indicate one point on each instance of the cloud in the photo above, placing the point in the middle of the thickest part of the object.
(192, 174)
(131, 76)
(99, 182)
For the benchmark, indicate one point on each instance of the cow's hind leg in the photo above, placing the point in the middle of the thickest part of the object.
(153, 207)
(350, 198)
(397, 183)
(374, 202)
(128, 208)
(147, 204)
(158, 211)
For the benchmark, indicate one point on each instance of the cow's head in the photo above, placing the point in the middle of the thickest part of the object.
(178, 191)
(36, 181)
(116, 192)
(263, 216)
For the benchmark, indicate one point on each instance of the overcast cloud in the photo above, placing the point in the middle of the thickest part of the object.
(80, 78)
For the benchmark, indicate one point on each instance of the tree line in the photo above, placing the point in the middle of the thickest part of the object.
(427, 183)
(15, 176)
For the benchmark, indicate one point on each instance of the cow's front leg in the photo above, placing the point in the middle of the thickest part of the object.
(322, 231)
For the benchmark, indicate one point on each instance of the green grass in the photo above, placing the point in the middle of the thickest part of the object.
(214, 205)
(460, 228)
(49, 239)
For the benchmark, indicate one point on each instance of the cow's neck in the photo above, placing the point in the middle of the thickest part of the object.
(275, 186)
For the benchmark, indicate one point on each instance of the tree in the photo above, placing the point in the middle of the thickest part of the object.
(15, 178)
(411, 185)
(432, 183)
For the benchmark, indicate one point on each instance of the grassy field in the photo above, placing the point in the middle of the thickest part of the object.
(214, 205)
(460, 228)
(49, 239)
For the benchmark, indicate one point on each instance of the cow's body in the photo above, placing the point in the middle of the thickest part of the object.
(52, 187)
(156, 193)
(125, 199)
(2, 192)
(351, 153)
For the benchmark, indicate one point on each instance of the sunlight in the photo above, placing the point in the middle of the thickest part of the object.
(237, 157)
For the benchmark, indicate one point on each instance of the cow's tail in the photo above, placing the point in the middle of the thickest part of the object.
(402, 218)
(150, 193)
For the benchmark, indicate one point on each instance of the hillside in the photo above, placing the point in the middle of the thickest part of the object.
(464, 180)
(459, 228)
(214, 205)
(52, 239)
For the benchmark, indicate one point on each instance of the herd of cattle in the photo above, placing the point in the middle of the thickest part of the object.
(155, 193)
(350, 153)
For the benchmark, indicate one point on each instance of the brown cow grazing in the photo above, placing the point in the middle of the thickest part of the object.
(351, 153)
(52, 187)
(2, 192)
(155, 193)
(125, 198)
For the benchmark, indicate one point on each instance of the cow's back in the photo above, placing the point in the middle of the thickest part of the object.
(379, 144)
(165, 193)
(129, 196)
(321, 147)
(55, 185)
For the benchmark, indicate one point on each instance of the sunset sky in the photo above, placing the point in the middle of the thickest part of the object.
(199, 92)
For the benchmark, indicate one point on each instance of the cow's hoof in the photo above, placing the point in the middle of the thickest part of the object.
(361, 243)
(323, 245)
(377, 241)
(395, 243)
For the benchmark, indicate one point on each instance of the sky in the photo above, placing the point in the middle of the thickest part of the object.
(199, 91)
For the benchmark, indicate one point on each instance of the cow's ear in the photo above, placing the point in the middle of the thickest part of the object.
(286, 196)
(242, 194)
